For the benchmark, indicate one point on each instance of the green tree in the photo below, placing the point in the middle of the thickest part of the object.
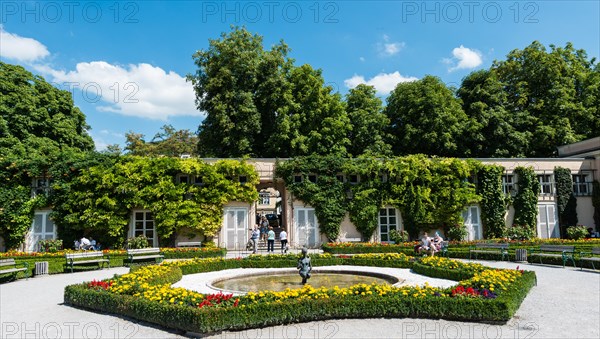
(315, 122)
(557, 91)
(425, 117)
(365, 111)
(491, 130)
(31, 108)
(168, 142)
(240, 86)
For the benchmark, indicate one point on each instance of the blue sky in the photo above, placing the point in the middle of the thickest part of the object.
(126, 61)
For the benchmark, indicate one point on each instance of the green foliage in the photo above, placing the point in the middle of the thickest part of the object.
(520, 232)
(425, 117)
(169, 142)
(365, 111)
(577, 232)
(98, 199)
(428, 192)
(138, 242)
(493, 201)
(50, 245)
(555, 92)
(398, 236)
(457, 232)
(565, 198)
(525, 202)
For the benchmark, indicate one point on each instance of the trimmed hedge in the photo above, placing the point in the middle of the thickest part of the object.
(214, 319)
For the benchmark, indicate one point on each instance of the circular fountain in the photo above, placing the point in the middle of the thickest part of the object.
(282, 279)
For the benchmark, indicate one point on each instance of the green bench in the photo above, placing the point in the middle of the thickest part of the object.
(143, 254)
(554, 251)
(494, 248)
(593, 256)
(87, 258)
(13, 269)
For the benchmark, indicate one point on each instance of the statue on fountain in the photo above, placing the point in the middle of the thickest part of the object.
(304, 266)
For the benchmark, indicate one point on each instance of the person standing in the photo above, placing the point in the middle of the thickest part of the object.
(283, 239)
(271, 241)
(254, 238)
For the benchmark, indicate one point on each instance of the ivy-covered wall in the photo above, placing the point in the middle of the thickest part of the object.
(94, 194)
(566, 201)
(429, 192)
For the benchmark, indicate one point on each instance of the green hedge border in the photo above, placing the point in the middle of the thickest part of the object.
(211, 320)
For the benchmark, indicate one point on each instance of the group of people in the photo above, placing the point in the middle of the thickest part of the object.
(430, 245)
(269, 236)
(87, 244)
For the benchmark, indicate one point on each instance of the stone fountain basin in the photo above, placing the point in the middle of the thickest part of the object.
(203, 282)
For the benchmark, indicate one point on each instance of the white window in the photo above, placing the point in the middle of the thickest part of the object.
(545, 183)
(235, 228)
(312, 178)
(547, 226)
(307, 227)
(472, 222)
(42, 228)
(508, 184)
(298, 178)
(581, 184)
(354, 179)
(143, 224)
(388, 220)
(198, 180)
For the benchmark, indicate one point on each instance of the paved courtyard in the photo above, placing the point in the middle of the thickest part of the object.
(564, 304)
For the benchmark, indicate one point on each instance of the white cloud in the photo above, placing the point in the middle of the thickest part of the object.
(362, 59)
(140, 90)
(388, 48)
(384, 83)
(22, 49)
(465, 58)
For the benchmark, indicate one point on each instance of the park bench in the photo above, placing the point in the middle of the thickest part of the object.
(589, 256)
(566, 253)
(144, 254)
(86, 258)
(495, 248)
(189, 244)
(14, 269)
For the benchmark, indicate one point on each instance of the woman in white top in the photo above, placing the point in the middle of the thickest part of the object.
(283, 239)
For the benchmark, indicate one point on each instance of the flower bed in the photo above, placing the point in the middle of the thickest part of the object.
(482, 294)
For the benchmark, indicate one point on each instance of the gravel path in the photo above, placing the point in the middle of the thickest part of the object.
(564, 304)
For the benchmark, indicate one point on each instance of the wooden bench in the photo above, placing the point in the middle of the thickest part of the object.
(189, 244)
(566, 253)
(86, 258)
(495, 248)
(589, 256)
(144, 254)
(14, 270)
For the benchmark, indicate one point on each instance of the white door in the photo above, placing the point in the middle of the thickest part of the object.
(547, 226)
(236, 228)
(387, 222)
(143, 224)
(472, 222)
(42, 228)
(307, 228)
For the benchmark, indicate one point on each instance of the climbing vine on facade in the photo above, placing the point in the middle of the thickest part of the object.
(429, 192)
(525, 202)
(493, 201)
(565, 199)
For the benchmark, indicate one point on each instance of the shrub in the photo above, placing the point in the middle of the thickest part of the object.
(520, 232)
(138, 242)
(457, 232)
(399, 236)
(577, 232)
(50, 245)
